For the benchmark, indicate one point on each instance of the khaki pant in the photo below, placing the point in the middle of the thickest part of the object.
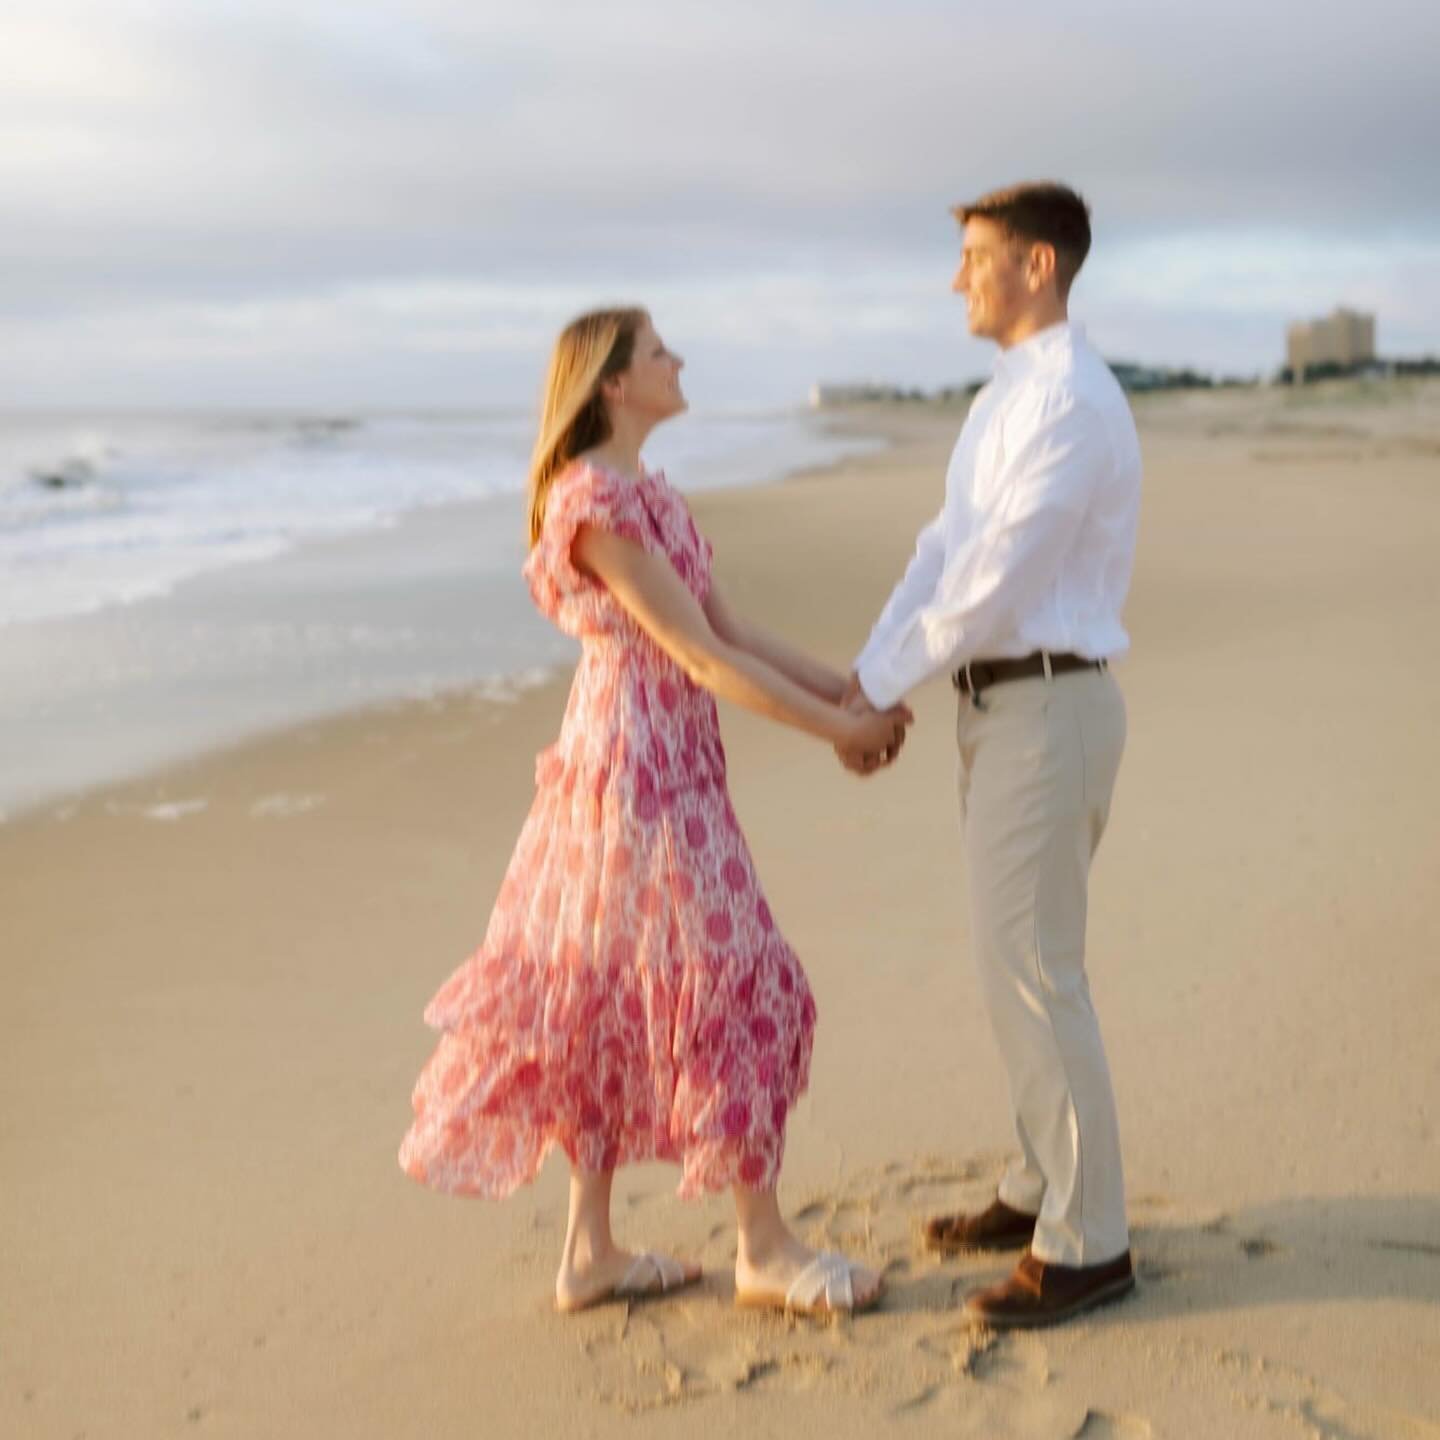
(1037, 769)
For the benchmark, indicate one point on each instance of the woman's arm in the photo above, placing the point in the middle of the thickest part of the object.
(811, 675)
(665, 609)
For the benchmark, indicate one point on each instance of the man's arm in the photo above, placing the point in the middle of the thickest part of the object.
(1011, 559)
(915, 588)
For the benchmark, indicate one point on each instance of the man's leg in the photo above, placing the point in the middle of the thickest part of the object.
(1009, 1222)
(1040, 765)
(1022, 1186)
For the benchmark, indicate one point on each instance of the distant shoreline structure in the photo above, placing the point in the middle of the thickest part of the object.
(1135, 379)
(1341, 345)
(1344, 338)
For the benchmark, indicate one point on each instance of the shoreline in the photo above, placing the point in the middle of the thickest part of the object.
(291, 621)
(892, 429)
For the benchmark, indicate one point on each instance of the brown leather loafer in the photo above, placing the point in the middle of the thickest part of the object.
(997, 1228)
(1039, 1293)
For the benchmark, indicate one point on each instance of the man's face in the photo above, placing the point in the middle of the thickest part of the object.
(992, 279)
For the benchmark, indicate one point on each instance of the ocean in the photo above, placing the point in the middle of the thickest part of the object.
(171, 583)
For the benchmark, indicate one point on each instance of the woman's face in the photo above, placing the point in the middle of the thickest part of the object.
(651, 386)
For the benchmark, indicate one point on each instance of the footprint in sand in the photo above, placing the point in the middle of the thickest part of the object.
(965, 1348)
(1101, 1425)
(738, 1373)
(1258, 1383)
(631, 1367)
(918, 1401)
(916, 1355)
(1197, 1252)
(938, 1178)
(1257, 1247)
(1405, 1247)
(682, 1352)
(1149, 1271)
(813, 1211)
(1022, 1361)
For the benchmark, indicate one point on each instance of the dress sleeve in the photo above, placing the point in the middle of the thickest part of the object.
(584, 495)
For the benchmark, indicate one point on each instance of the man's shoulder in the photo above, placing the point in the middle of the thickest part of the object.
(1095, 379)
(1081, 389)
(1077, 394)
(1065, 390)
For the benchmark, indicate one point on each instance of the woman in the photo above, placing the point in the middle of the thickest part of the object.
(633, 999)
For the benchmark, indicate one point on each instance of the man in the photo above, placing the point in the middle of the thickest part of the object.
(1016, 589)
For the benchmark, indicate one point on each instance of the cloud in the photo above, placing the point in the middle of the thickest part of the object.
(168, 168)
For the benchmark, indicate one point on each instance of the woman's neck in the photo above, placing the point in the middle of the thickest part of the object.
(622, 450)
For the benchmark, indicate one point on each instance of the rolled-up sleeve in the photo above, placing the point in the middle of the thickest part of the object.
(1010, 559)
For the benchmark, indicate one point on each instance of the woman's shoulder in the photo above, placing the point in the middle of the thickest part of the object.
(586, 481)
(587, 491)
(588, 478)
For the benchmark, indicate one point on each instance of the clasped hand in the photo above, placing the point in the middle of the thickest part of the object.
(876, 735)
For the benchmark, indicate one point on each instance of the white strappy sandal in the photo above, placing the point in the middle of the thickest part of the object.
(825, 1287)
(647, 1277)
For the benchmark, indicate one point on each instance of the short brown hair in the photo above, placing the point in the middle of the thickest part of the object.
(1040, 210)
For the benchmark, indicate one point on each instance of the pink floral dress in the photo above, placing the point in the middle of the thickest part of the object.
(633, 999)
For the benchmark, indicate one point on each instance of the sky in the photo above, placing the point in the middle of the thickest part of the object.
(356, 204)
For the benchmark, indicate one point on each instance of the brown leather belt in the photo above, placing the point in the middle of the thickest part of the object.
(980, 675)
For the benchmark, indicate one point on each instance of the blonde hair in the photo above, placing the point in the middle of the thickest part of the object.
(591, 348)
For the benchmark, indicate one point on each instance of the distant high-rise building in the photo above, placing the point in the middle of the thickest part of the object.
(1344, 338)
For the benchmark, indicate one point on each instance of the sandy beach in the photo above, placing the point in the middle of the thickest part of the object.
(214, 979)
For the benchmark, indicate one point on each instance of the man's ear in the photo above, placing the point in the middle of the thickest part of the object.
(1040, 266)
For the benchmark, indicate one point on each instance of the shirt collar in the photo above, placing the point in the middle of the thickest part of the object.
(1035, 351)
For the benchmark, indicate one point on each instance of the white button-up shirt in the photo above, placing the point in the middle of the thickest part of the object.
(1035, 543)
